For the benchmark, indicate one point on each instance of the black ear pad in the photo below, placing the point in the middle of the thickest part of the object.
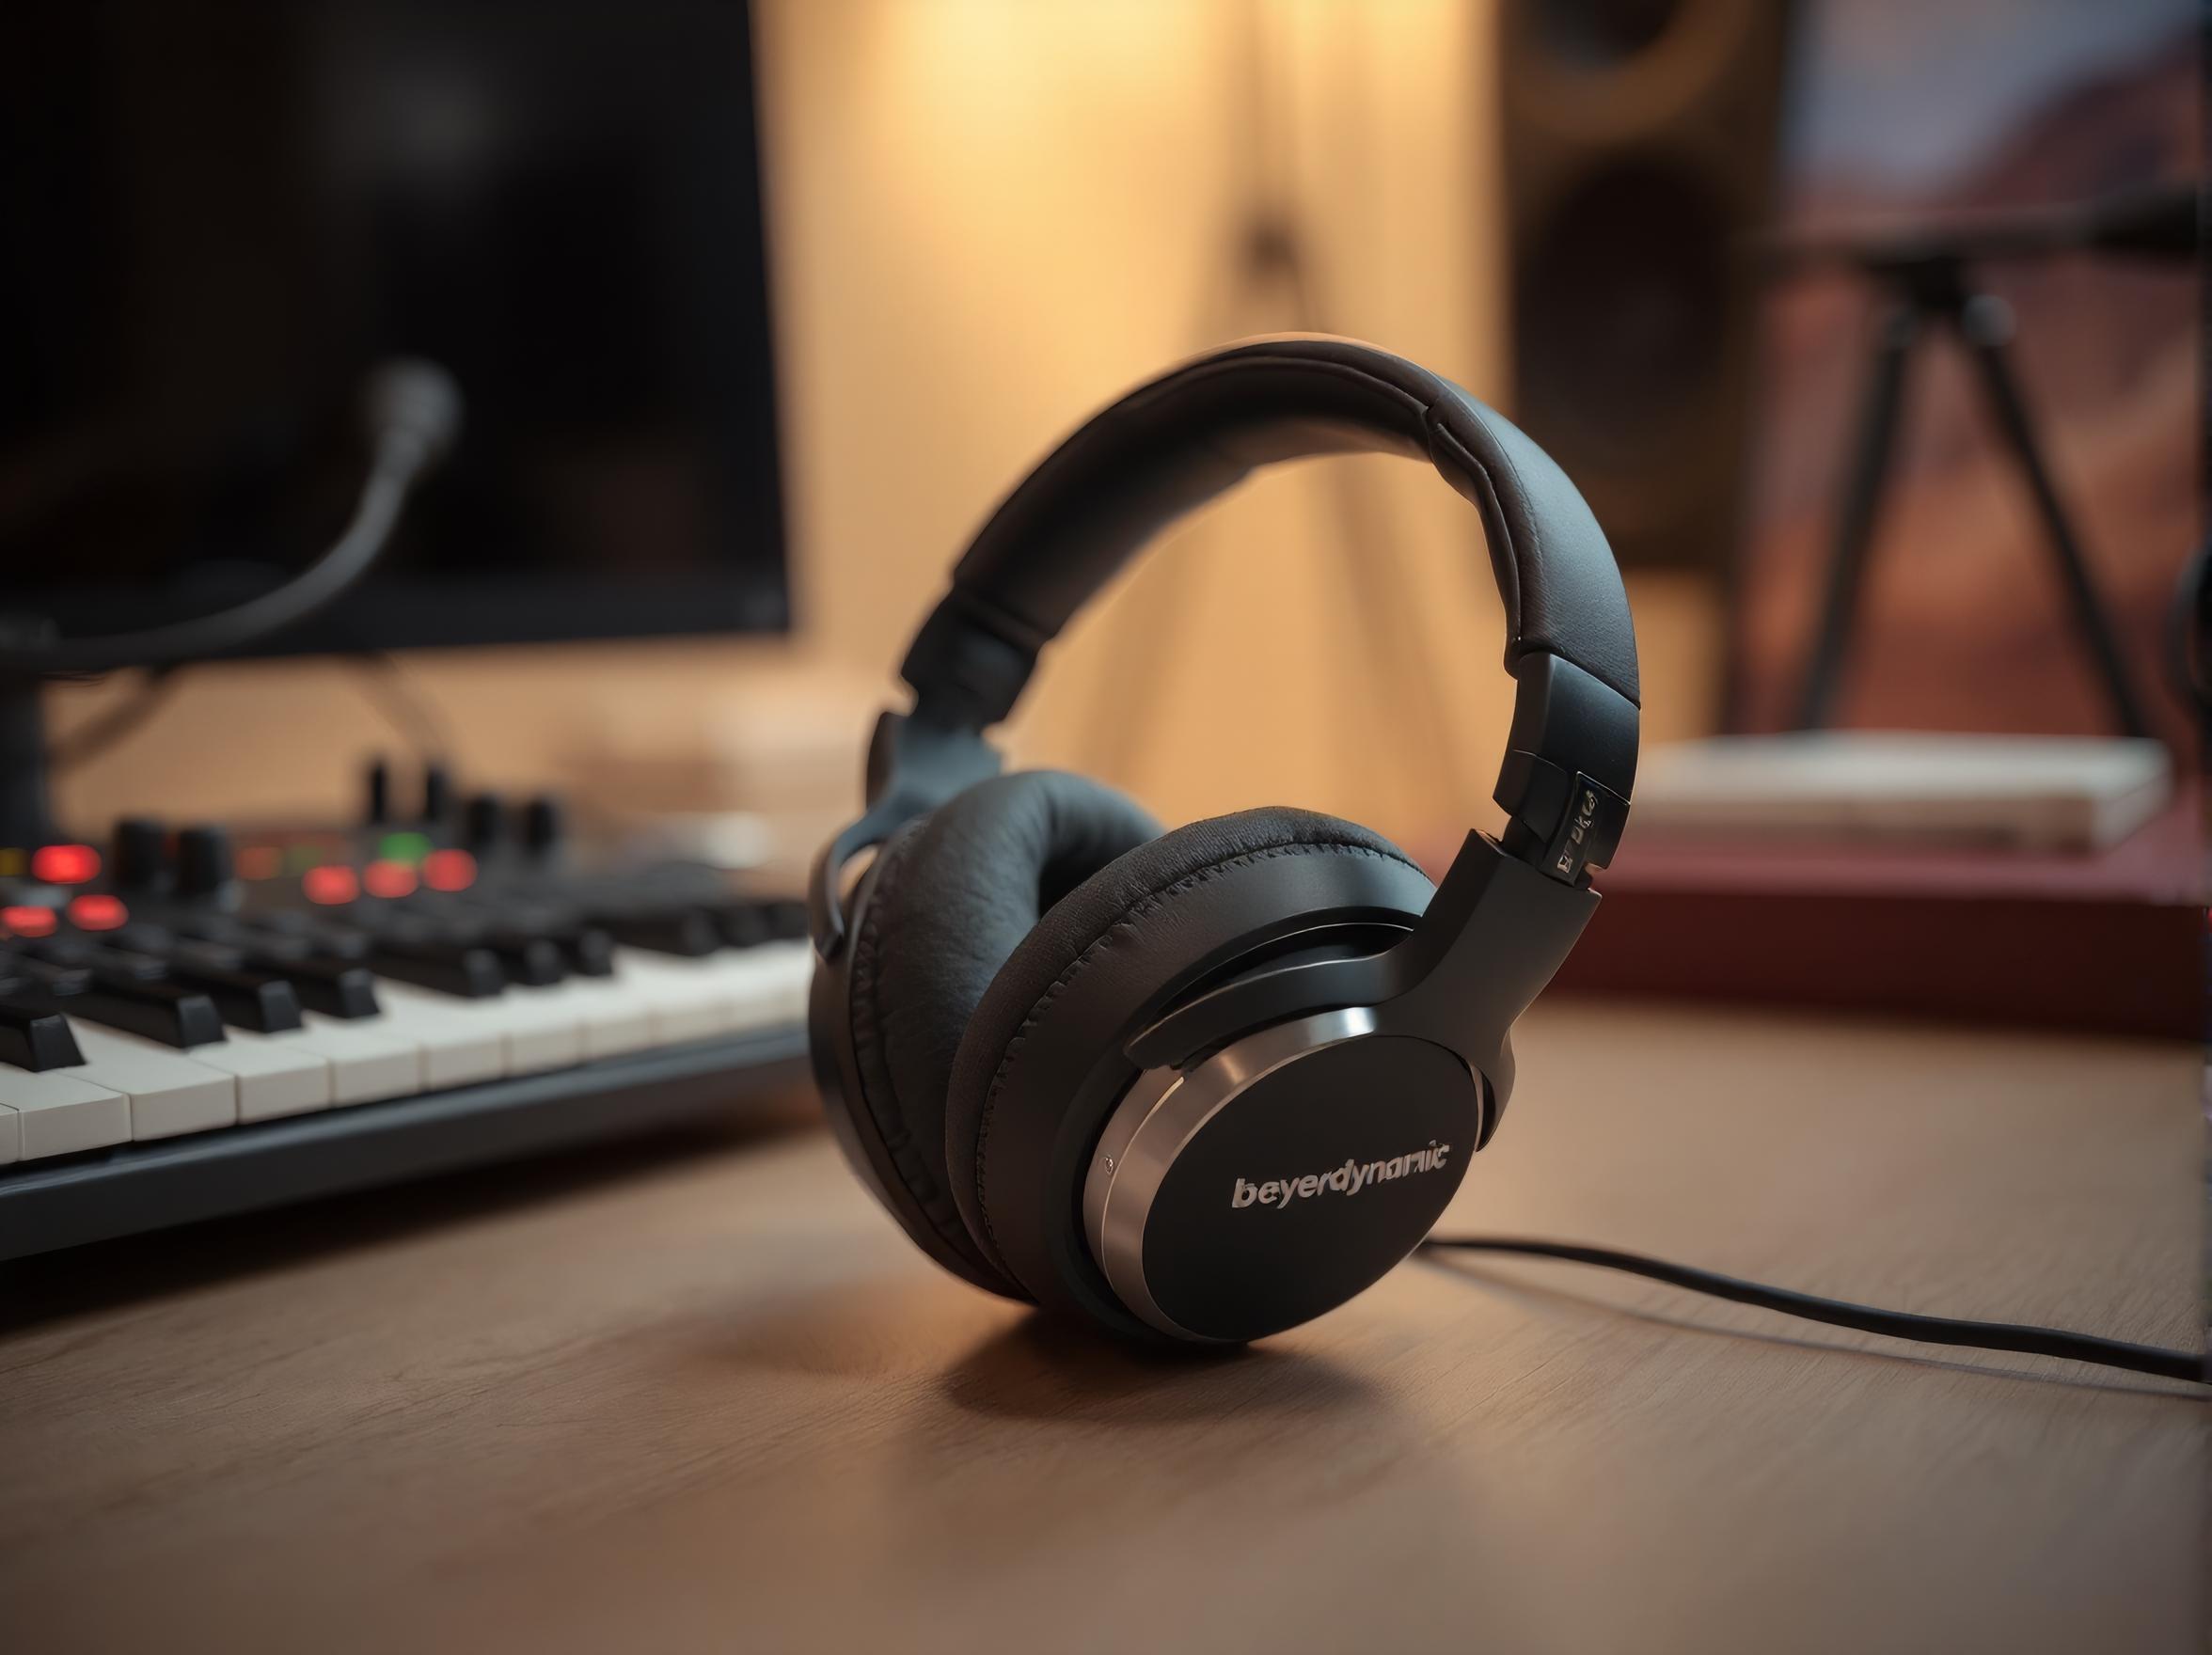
(950, 898)
(1153, 918)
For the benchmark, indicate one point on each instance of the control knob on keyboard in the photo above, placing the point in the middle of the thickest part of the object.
(203, 860)
(438, 795)
(377, 804)
(542, 825)
(138, 856)
(485, 823)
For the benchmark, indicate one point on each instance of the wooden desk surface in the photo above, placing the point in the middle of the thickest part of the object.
(714, 1401)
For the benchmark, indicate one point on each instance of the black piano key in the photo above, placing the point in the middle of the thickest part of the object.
(47, 982)
(687, 931)
(265, 946)
(191, 952)
(332, 987)
(218, 928)
(67, 953)
(526, 954)
(500, 922)
(744, 924)
(787, 919)
(248, 997)
(344, 942)
(33, 1035)
(410, 925)
(318, 983)
(533, 960)
(466, 969)
(118, 966)
(160, 1010)
(144, 936)
(590, 949)
(321, 964)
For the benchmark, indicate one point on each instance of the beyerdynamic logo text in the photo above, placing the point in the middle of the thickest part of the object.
(1586, 815)
(1348, 1179)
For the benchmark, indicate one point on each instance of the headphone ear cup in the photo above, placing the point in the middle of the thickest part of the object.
(1156, 918)
(948, 900)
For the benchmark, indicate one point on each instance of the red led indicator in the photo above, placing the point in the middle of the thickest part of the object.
(330, 883)
(448, 870)
(28, 922)
(64, 865)
(387, 878)
(96, 911)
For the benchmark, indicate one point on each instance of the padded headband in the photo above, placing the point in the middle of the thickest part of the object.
(1171, 445)
(1196, 432)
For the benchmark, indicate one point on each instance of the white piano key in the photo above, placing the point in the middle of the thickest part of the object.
(542, 1030)
(544, 1044)
(10, 1136)
(768, 981)
(273, 1079)
(58, 1113)
(169, 1091)
(615, 1014)
(534, 1033)
(366, 1065)
(456, 1050)
(690, 1000)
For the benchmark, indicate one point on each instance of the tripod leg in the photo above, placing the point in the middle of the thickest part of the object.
(1876, 441)
(1985, 326)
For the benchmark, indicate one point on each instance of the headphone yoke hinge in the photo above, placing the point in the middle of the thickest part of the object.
(1570, 767)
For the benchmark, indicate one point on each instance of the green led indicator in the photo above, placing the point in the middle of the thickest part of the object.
(404, 847)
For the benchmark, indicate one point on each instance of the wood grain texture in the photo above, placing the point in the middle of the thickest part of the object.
(714, 1401)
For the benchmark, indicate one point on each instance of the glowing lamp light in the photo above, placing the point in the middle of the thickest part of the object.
(387, 878)
(97, 911)
(329, 883)
(27, 921)
(64, 865)
(448, 870)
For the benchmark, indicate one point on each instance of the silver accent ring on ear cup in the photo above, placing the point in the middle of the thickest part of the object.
(1160, 1115)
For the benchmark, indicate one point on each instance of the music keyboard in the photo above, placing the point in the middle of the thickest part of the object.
(131, 1088)
(192, 1060)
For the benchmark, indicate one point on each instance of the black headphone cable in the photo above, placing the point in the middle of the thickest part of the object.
(2188, 1366)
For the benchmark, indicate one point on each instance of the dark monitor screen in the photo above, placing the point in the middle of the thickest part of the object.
(219, 218)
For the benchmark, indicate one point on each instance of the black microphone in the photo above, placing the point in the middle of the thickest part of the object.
(411, 409)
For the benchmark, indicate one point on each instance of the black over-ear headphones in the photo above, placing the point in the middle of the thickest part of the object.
(1214, 1081)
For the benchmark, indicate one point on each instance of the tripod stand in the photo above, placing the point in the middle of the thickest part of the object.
(1930, 289)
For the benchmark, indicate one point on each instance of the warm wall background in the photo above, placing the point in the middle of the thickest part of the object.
(987, 216)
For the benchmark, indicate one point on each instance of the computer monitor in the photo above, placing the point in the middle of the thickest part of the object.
(218, 219)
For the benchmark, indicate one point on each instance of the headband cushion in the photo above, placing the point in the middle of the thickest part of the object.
(1171, 445)
(1103, 952)
(950, 899)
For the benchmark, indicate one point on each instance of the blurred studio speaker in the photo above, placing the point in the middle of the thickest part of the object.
(1639, 149)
